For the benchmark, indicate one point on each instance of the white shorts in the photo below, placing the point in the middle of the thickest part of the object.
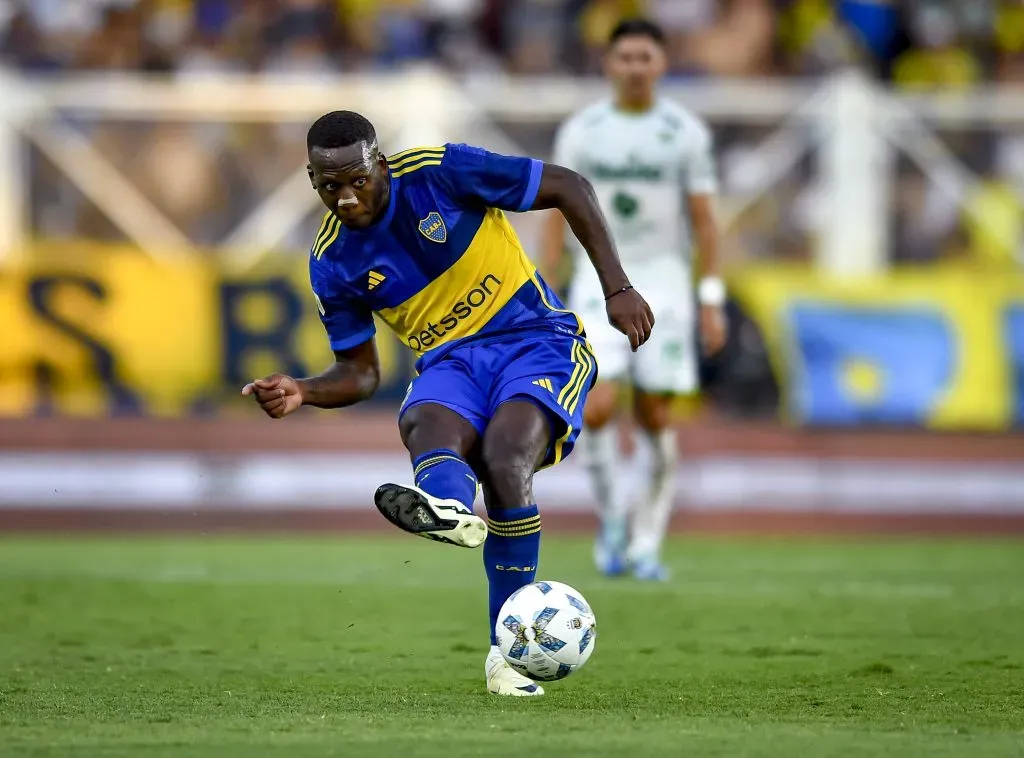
(667, 363)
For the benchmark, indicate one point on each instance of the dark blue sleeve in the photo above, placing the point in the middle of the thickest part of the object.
(347, 321)
(497, 181)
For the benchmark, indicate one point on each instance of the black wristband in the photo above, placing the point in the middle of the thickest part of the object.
(627, 288)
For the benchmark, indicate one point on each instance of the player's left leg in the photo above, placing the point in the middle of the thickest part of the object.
(599, 442)
(650, 514)
(664, 369)
(540, 391)
(514, 446)
(602, 460)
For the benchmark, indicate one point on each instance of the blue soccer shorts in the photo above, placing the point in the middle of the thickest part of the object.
(555, 370)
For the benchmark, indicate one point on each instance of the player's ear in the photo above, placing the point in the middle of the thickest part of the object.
(309, 173)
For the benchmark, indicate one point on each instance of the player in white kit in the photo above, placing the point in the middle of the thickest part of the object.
(651, 165)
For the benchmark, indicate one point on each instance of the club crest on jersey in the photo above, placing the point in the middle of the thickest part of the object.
(432, 227)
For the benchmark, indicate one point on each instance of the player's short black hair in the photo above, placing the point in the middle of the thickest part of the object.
(637, 27)
(340, 129)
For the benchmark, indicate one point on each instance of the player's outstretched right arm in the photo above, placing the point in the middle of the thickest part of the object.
(352, 378)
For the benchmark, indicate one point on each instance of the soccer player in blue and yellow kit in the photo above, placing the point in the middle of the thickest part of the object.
(421, 239)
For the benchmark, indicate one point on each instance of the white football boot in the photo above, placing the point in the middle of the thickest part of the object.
(417, 512)
(502, 679)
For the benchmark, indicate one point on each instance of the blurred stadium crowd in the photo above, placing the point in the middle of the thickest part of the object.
(926, 43)
(931, 45)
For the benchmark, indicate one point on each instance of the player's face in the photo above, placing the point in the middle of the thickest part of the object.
(635, 64)
(352, 182)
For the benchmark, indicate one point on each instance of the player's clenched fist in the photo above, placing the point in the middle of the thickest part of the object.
(630, 314)
(278, 395)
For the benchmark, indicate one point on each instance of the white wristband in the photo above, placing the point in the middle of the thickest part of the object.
(711, 291)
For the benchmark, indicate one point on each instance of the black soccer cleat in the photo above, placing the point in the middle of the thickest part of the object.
(414, 511)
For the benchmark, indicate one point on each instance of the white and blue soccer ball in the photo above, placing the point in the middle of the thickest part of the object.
(546, 630)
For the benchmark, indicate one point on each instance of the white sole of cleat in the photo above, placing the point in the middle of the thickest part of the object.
(414, 511)
(503, 680)
(532, 690)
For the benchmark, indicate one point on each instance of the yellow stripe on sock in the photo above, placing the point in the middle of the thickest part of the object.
(524, 533)
(514, 525)
(498, 528)
(517, 522)
(517, 532)
(435, 460)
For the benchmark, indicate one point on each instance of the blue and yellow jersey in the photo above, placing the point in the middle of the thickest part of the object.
(443, 265)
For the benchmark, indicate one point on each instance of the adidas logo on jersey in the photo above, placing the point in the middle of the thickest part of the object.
(544, 384)
(375, 280)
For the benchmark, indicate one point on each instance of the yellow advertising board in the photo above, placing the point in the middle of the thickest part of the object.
(96, 331)
(937, 347)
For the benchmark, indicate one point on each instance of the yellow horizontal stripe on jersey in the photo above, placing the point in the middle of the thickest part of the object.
(335, 227)
(404, 153)
(414, 156)
(415, 167)
(470, 293)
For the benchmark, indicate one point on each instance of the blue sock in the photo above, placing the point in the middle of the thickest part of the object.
(444, 474)
(510, 554)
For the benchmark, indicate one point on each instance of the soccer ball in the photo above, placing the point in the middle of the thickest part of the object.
(546, 630)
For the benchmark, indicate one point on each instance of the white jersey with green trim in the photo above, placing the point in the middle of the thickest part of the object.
(642, 166)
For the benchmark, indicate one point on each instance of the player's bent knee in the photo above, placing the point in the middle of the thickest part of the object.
(508, 464)
(430, 426)
(513, 447)
(508, 483)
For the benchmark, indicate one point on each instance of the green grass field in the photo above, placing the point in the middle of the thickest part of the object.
(374, 647)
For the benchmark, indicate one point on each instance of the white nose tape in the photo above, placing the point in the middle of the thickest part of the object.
(348, 201)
